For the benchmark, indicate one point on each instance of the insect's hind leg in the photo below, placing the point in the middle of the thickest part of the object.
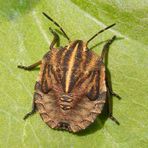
(55, 39)
(110, 109)
(32, 111)
(35, 97)
(30, 67)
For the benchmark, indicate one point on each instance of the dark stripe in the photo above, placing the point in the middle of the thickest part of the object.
(93, 94)
(88, 59)
(60, 54)
(47, 56)
(37, 96)
(54, 74)
(90, 94)
(43, 74)
(43, 77)
(37, 86)
(92, 76)
(97, 86)
(49, 69)
(82, 79)
(44, 85)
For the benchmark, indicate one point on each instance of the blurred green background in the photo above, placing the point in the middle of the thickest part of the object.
(24, 39)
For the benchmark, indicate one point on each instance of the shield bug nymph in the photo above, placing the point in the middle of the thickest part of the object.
(72, 86)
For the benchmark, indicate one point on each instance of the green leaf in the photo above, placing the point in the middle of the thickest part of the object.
(24, 38)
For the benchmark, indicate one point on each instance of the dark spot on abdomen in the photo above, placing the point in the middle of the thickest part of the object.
(64, 125)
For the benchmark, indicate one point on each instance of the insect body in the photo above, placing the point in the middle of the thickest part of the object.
(71, 89)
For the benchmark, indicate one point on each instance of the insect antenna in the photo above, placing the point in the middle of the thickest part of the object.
(100, 32)
(56, 25)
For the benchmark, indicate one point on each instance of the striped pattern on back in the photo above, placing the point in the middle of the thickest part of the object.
(71, 63)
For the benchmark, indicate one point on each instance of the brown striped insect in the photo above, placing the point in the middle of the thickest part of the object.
(72, 86)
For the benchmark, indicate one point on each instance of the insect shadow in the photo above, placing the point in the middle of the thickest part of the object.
(100, 121)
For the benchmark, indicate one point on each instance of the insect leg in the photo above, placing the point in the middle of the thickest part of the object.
(110, 110)
(106, 47)
(55, 39)
(110, 88)
(31, 67)
(32, 111)
(35, 97)
(103, 56)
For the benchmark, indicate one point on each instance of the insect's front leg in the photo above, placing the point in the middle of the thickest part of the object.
(103, 56)
(55, 39)
(106, 47)
(31, 67)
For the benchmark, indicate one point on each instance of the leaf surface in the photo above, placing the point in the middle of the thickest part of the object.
(25, 38)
